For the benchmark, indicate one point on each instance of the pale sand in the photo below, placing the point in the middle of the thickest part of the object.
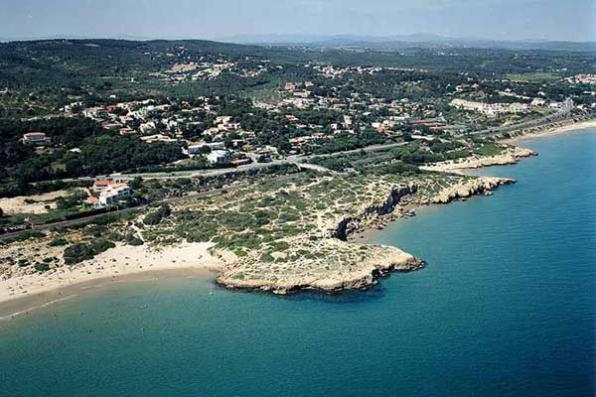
(36, 204)
(27, 304)
(582, 125)
(120, 261)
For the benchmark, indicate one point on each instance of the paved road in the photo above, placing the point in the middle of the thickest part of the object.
(300, 159)
(296, 160)
(558, 116)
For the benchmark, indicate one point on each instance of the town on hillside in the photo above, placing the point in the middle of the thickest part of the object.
(192, 110)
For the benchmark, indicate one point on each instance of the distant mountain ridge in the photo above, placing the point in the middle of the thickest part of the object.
(396, 42)
(377, 43)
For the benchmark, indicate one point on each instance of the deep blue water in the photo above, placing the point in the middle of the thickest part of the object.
(505, 307)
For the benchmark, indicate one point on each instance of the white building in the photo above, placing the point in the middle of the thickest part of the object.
(218, 157)
(114, 194)
(157, 138)
(196, 148)
(490, 108)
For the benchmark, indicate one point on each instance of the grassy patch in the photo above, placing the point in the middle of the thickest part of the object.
(533, 77)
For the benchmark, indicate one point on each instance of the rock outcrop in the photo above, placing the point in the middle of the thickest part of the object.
(468, 188)
(331, 275)
(510, 155)
(350, 224)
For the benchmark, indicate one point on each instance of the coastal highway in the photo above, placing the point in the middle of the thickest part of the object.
(301, 159)
(295, 160)
(561, 115)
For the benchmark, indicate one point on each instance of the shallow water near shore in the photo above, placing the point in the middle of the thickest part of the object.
(505, 307)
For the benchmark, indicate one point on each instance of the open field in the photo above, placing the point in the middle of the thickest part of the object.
(533, 77)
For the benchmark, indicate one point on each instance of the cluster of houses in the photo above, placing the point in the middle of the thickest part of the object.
(333, 72)
(582, 79)
(358, 111)
(154, 122)
(202, 69)
(388, 117)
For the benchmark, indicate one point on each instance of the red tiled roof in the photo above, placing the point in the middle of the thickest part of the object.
(34, 134)
(103, 182)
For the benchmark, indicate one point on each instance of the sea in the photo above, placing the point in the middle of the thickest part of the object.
(505, 306)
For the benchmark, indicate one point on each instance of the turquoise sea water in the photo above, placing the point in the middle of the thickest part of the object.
(505, 307)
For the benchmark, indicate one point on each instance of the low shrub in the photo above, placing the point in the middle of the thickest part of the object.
(81, 251)
(42, 267)
(57, 242)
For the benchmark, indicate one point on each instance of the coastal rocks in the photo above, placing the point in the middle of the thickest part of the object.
(468, 188)
(333, 264)
(349, 225)
(510, 155)
(330, 265)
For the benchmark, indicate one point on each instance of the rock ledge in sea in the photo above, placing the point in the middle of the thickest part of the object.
(482, 185)
(510, 155)
(345, 266)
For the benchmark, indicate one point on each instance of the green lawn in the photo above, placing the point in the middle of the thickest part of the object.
(533, 77)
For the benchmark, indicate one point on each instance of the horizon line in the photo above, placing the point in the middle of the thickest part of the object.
(298, 38)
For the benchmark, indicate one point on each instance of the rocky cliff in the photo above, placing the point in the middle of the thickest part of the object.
(468, 188)
(350, 224)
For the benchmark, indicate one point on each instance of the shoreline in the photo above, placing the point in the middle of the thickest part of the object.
(552, 131)
(410, 209)
(25, 305)
(483, 186)
(129, 263)
(112, 265)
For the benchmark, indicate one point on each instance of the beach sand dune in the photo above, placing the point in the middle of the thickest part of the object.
(123, 260)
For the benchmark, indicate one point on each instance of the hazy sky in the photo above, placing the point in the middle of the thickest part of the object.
(215, 19)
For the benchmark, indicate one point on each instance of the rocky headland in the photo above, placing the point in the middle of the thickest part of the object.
(334, 263)
(469, 188)
(284, 236)
(510, 155)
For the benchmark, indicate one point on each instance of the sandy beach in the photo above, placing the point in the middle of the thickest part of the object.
(27, 304)
(18, 294)
(553, 131)
(32, 204)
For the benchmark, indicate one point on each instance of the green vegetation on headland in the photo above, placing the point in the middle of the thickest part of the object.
(284, 228)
